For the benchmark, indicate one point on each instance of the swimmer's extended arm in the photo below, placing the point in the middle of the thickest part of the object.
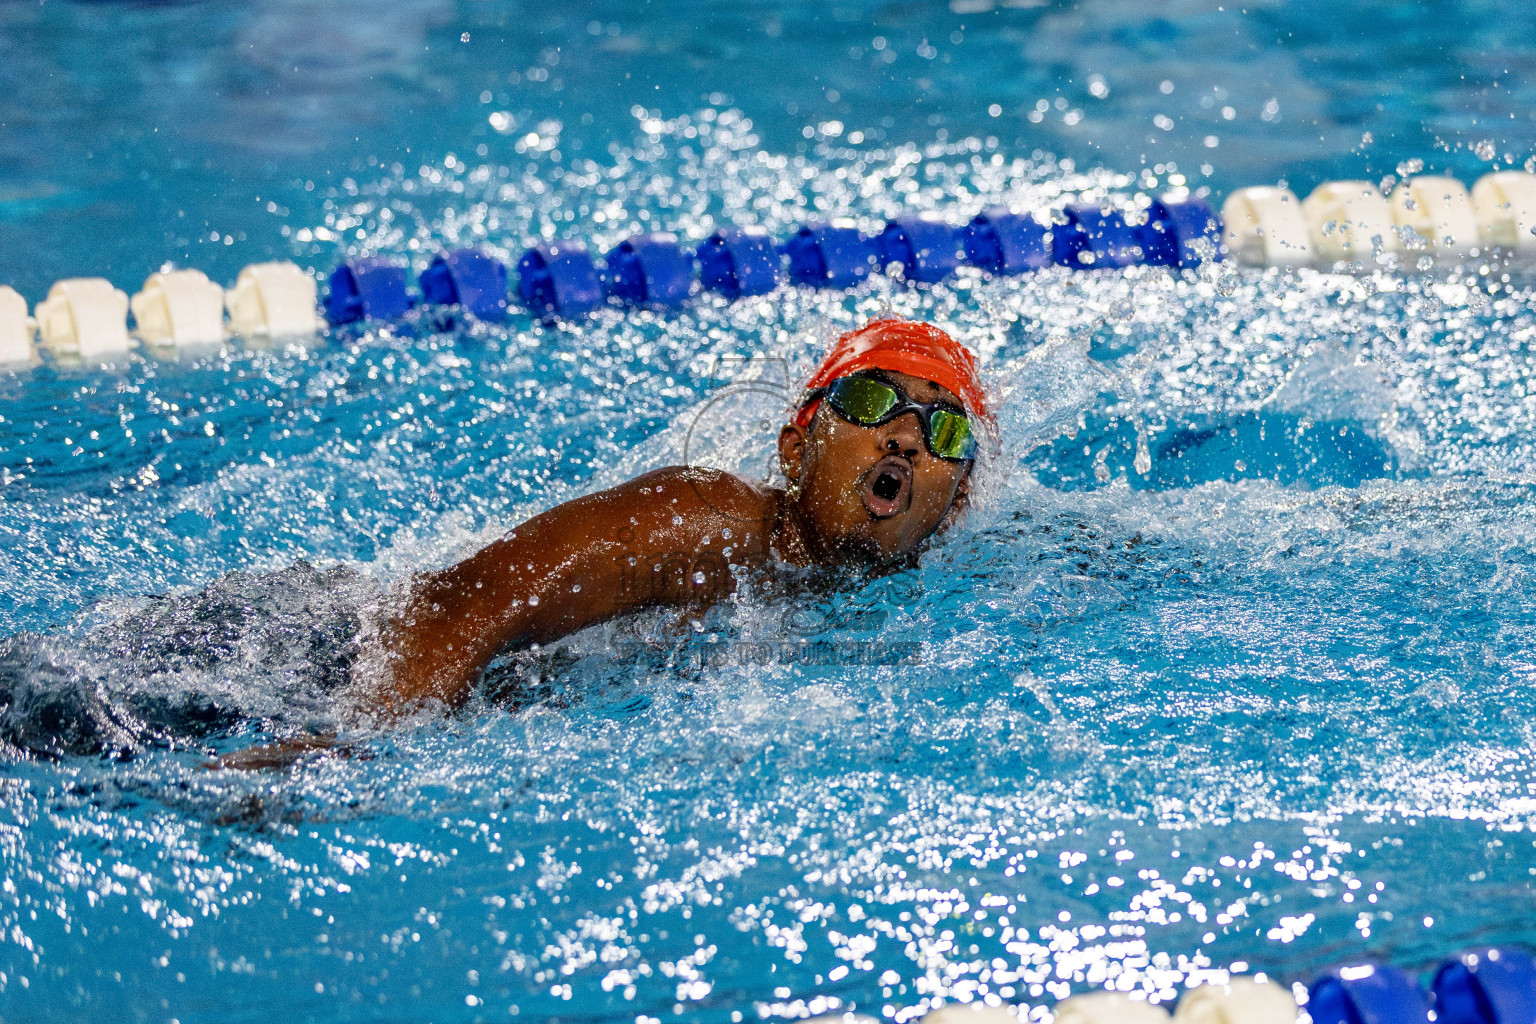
(666, 538)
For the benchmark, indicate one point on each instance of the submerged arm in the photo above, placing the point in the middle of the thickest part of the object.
(666, 538)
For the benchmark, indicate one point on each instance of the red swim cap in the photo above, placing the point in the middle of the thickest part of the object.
(901, 346)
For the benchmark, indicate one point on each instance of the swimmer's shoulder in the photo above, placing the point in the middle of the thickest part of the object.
(688, 505)
(676, 510)
(710, 493)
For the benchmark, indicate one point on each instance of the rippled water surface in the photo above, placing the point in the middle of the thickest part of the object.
(1228, 668)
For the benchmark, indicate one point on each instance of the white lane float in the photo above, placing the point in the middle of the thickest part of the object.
(1265, 227)
(1239, 1001)
(85, 317)
(1350, 220)
(1438, 210)
(970, 1013)
(275, 300)
(1108, 1008)
(1505, 202)
(15, 329)
(179, 307)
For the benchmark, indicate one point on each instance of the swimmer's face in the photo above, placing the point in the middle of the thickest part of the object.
(871, 494)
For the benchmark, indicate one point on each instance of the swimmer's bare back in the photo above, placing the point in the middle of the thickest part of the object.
(670, 537)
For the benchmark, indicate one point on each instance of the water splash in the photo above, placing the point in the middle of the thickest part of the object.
(1143, 717)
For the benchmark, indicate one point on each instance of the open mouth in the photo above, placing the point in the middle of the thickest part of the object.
(887, 487)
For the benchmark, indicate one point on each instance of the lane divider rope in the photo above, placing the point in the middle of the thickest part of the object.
(87, 318)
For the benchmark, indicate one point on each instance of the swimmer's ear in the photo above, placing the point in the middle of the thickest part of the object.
(792, 439)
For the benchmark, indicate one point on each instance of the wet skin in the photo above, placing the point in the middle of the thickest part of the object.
(865, 495)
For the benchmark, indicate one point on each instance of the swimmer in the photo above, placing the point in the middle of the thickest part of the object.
(877, 456)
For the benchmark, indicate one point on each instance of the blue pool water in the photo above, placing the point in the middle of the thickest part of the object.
(1229, 668)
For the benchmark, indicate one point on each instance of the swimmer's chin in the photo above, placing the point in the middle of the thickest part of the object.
(864, 551)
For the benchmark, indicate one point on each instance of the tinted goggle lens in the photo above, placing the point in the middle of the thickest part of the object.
(867, 402)
(949, 435)
(862, 400)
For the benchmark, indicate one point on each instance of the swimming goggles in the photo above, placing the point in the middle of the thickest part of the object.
(869, 402)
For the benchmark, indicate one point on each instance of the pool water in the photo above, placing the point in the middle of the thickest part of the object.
(1228, 669)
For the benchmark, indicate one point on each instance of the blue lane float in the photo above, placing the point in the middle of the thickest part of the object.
(1486, 986)
(740, 261)
(927, 249)
(367, 288)
(1367, 994)
(563, 279)
(829, 256)
(470, 278)
(1000, 241)
(650, 270)
(559, 278)
(1095, 236)
(1181, 232)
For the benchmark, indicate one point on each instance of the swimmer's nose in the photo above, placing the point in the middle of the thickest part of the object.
(904, 435)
